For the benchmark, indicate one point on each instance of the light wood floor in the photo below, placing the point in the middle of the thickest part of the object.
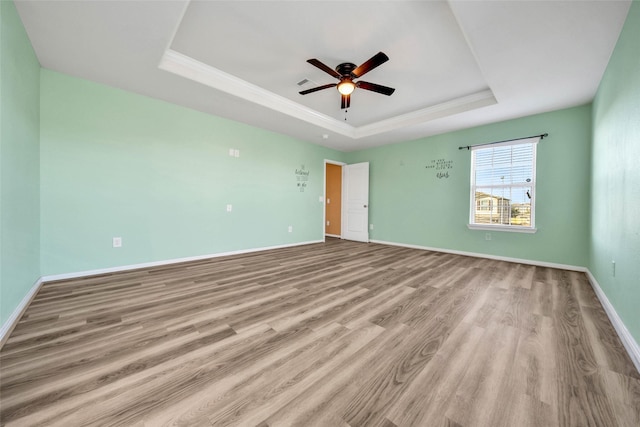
(334, 334)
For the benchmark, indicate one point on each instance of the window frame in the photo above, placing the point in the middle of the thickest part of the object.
(502, 227)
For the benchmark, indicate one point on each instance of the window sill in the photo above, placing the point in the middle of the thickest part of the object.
(508, 228)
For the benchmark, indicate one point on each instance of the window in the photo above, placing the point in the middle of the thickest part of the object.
(503, 186)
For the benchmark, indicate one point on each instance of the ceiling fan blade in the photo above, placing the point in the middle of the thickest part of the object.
(376, 60)
(315, 89)
(385, 90)
(345, 102)
(324, 68)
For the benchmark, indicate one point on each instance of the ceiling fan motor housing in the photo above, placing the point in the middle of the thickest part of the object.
(346, 85)
(345, 69)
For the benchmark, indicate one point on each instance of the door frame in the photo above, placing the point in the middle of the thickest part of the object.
(324, 198)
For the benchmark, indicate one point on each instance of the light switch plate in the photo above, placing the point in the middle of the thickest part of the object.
(117, 242)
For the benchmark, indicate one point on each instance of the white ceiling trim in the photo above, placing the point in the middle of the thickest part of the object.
(448, 108)
(187, 67)
(192, 69)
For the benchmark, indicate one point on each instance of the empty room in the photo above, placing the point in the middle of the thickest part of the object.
(320, 213)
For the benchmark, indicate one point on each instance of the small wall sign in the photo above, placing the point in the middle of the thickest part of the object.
(302, 177)
(441, 166)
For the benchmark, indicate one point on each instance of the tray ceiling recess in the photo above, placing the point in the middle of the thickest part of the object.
(432, 68)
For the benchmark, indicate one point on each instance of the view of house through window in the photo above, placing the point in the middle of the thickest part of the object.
(503, 184)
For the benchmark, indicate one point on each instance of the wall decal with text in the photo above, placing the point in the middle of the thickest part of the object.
(441, 166)
(302, 177)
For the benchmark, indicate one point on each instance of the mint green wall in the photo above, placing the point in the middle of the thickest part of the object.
(410, 205)
(117, 164)
(615, 197)
(19, 162)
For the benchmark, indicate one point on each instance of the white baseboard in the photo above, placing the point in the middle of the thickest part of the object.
(629, 343)
(86, 273)
(487, 256)
(12, 321)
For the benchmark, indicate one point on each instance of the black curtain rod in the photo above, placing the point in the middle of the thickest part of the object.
(468, 147)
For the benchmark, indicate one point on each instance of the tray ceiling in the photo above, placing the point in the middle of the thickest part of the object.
(454, 64)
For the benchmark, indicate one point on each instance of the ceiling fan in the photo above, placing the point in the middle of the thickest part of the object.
(346, 73)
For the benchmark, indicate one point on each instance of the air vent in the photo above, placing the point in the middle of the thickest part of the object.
(307, 82)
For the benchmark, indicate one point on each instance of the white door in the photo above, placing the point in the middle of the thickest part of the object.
(355, 202)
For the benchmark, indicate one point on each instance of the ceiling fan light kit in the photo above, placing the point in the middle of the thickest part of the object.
(348, 71)
(346, 87)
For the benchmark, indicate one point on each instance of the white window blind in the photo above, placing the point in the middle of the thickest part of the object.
(503, 185)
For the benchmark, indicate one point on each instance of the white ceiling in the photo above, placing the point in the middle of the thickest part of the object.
(454, 64)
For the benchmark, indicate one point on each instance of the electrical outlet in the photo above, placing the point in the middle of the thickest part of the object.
(117, 242)
(291, 229)
(320, 199)
(231, 152)
(487, 236)
(328, 201)
(229, 208)
(236, 153)
(370, 226)
(328, 223)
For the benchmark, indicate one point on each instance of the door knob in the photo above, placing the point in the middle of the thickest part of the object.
(365, 206)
